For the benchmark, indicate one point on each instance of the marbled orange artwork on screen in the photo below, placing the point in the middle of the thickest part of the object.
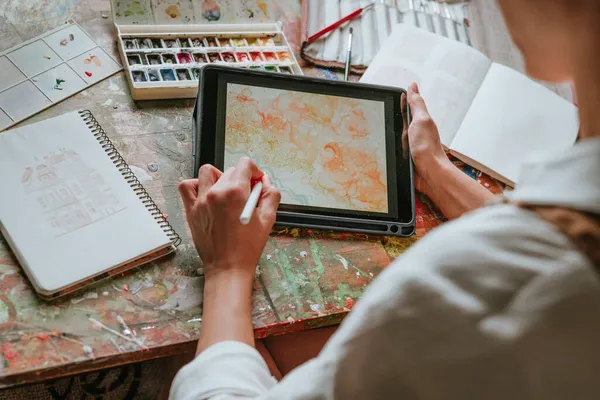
(321, 151)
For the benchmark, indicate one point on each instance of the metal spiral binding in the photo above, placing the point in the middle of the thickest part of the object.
(129, 176)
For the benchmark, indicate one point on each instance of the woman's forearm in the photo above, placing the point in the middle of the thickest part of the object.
(452, 191)
(227, 310)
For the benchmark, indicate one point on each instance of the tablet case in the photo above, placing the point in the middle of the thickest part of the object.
(302, 220)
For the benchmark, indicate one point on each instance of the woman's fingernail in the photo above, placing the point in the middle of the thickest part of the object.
(415, 87)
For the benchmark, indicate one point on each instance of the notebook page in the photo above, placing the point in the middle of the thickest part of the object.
(448, 73)
(65, 205)
(512, 119)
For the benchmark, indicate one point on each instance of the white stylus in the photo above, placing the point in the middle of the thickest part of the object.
(251, 203)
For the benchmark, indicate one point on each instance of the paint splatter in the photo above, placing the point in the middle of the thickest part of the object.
(105, 293)
(93, 59)
(268, 257)
(48, 57)
(342, 260)
(152, 167)
(66, 41)
(124, 326)
(291, 320)
(88, 351)
(315, 307)
(88, 73)
(87, 296)
(263, 6)
(211, 11)
(134, 8)
(9, 351)
(303, 254)
(58, 84)
(99, 325)
(349, 302)
(173, 12)
(125, 287)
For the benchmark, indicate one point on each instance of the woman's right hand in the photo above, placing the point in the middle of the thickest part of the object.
(423, 140)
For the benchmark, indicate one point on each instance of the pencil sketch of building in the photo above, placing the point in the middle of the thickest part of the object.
(69, 192)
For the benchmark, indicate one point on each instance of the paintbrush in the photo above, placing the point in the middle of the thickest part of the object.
(348, 55)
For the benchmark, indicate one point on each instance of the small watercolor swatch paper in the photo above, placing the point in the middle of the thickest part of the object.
(47, 69)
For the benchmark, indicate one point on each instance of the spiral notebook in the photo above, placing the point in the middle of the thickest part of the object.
(71, 209)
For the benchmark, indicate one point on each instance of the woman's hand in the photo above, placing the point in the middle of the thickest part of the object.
(423, 139)
(213, 204)
(230, 251)
(452, 191)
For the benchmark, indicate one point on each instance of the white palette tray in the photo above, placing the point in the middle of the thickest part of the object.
(45, 70)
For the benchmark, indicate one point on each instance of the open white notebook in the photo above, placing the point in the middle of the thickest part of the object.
(488, 115)
(71, 209)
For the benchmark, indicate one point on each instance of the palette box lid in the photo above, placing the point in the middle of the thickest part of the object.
(178, 12)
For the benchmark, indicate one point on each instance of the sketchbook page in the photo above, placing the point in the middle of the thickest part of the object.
(512, 119)
(66, 206)
(448, 73)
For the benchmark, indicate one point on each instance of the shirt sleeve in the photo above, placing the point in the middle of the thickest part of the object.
(226, 370)
(470, 311)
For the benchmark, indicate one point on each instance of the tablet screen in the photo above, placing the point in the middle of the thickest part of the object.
(320, 150)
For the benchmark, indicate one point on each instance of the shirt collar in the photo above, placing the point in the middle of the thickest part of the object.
(570, 179)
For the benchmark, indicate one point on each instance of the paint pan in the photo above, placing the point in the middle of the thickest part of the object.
(212, 42)
(169, 58)
(257, 67)
(154, 59)
(270, 56)
(139, 76)
(271, 68)
(256, 56)
(197, 42)
(183, 74)
(239, 42)
(196, 73)
(242, 57)
(266, 41)
(157, 44)
(171, 43)
(255, 42)
(200, 58)
(153, 75)
(184, 58)
(228, 57)
(214, 57)
(134, 59)
(146, 44)
(131, 44)
(286, 70)
(284, 56)
(167, 74)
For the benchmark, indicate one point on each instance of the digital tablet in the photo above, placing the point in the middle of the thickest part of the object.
(332, 148)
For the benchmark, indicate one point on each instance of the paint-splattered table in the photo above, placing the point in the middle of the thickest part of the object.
(305, 279)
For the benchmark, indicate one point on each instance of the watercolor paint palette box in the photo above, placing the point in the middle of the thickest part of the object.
(163, 44)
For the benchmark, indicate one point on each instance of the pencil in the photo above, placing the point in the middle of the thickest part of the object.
(251, 203)
(348, 55)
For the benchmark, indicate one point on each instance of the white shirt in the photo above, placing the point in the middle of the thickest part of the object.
(495, 305)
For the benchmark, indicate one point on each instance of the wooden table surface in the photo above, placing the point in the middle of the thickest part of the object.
(306, 279)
